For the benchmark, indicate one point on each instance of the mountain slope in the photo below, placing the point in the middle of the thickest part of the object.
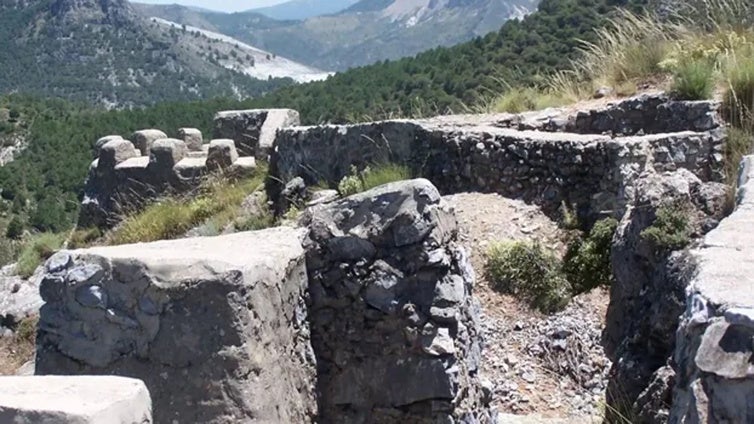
(103, 52)
(303, 9)
(370, 30)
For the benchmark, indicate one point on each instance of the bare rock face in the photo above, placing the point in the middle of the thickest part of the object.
(215, 327)
(394, 326)
(74, 400)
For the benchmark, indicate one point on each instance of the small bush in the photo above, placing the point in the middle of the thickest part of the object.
(350, 184)
(254, 222)
(587, 261)
(36, 251)
(15, 228)
(370, 178)
(693, 80)
(671, 229)
(528, 271)
(738, 144)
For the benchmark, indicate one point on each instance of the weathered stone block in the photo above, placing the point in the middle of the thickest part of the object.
(215, 327)
(114, 152)
(222, 154)
(104, 140)
(253, 130)
(192, 137)
(74, 400)
(143, 139)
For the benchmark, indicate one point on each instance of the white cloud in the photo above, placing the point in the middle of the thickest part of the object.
(221, 5)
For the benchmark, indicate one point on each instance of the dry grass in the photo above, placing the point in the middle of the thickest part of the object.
(218, 200)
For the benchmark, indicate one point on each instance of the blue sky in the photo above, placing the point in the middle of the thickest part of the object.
(223, 5)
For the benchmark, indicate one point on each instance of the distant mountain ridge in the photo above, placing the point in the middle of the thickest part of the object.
(303, 9)
(366, 32)
(105, 52)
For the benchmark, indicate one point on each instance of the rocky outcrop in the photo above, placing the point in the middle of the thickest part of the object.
(573, 162)
(215, 327)
(714, 353)
(394, 325)
(649, 287)
(74, 400)
(19, 298)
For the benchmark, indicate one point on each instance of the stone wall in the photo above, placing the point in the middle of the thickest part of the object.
(594, 172)
(215, 327)
(394, 324)
(714, 354)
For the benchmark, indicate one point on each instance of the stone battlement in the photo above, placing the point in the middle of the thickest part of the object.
(126, 173)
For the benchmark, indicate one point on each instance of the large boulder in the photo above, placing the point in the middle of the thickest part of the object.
(19, 298)
(394, 324)
(74, 400)
(215, 327)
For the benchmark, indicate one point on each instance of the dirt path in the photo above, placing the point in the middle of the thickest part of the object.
(551, 366)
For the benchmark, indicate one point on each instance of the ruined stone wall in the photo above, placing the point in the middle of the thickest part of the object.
(129, 173)
(394, 324)
(714, 354)
(592, 171)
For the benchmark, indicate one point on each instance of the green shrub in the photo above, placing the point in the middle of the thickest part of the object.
(254, 222)
(15, 228)
(529, 272)
(517, 100)
(671, 229)
(350, 184)
(587, 261)
(36, 251)
(693, 80)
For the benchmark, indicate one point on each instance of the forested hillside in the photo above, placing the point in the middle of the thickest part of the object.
(104, 53)
(43, 185)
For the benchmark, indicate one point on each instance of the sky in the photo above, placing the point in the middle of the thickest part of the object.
(221, 5)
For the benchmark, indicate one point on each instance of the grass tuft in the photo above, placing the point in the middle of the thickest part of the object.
(218, 199)
(528, 271)
(36, 251)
